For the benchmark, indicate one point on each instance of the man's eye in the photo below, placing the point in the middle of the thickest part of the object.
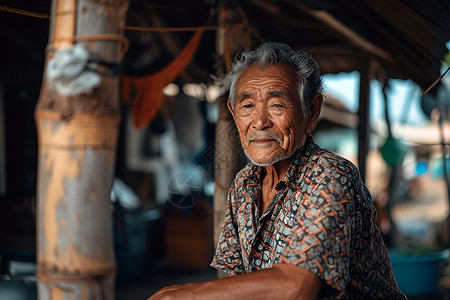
(247, 105)
(277, 105)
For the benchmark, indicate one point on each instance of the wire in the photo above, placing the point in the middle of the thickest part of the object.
(24, 12)
(436, 81)
(106, 37)
(131, 28)
(170, 29)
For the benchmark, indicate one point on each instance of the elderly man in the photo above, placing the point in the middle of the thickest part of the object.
(300, 222)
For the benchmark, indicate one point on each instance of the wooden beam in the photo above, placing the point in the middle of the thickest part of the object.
(363, 114)
(409, 53)
(351, 36)
(2, 145)
(410, 24)
(226, 159)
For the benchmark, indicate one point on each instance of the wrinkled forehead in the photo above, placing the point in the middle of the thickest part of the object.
(270, 67)
(276, 75)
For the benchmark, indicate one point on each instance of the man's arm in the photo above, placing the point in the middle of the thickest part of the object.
(282, 281)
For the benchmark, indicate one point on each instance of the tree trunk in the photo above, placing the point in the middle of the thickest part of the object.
(77, 136)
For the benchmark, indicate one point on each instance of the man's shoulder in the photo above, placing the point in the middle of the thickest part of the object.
(330, 162)
(331, 169)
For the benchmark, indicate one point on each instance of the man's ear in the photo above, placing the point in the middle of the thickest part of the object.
(314, 113)
(230, 107)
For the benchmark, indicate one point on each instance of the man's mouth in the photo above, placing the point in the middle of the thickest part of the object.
(263, 138)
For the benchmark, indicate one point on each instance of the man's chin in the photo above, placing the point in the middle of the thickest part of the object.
(262, 162)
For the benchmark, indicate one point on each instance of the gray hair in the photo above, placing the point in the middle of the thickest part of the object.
(271, 53)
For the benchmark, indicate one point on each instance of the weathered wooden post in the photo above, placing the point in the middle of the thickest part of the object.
(77, 117)
(228, 149)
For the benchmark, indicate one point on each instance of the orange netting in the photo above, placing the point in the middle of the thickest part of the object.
(149, 95)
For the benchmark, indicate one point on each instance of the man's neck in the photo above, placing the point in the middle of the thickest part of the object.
(275, 172)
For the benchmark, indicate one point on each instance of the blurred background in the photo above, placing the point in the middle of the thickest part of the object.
(377, 57)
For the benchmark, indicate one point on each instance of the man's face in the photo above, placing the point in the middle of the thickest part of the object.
(268, 113)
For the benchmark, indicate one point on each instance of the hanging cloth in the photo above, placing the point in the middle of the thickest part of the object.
(149, 95)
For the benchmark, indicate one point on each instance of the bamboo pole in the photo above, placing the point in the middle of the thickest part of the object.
(77, 137)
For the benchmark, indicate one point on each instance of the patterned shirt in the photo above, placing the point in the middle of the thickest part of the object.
(321, 219)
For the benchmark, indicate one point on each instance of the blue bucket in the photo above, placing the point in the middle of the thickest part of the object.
(417, 274)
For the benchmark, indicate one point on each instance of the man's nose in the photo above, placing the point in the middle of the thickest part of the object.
(261, 118)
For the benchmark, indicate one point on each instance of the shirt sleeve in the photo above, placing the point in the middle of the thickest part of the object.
(228, 252)
(321, 235)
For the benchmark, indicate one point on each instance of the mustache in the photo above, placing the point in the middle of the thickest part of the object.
(263, 135)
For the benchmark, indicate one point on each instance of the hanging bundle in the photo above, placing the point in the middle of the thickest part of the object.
(149, 95)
